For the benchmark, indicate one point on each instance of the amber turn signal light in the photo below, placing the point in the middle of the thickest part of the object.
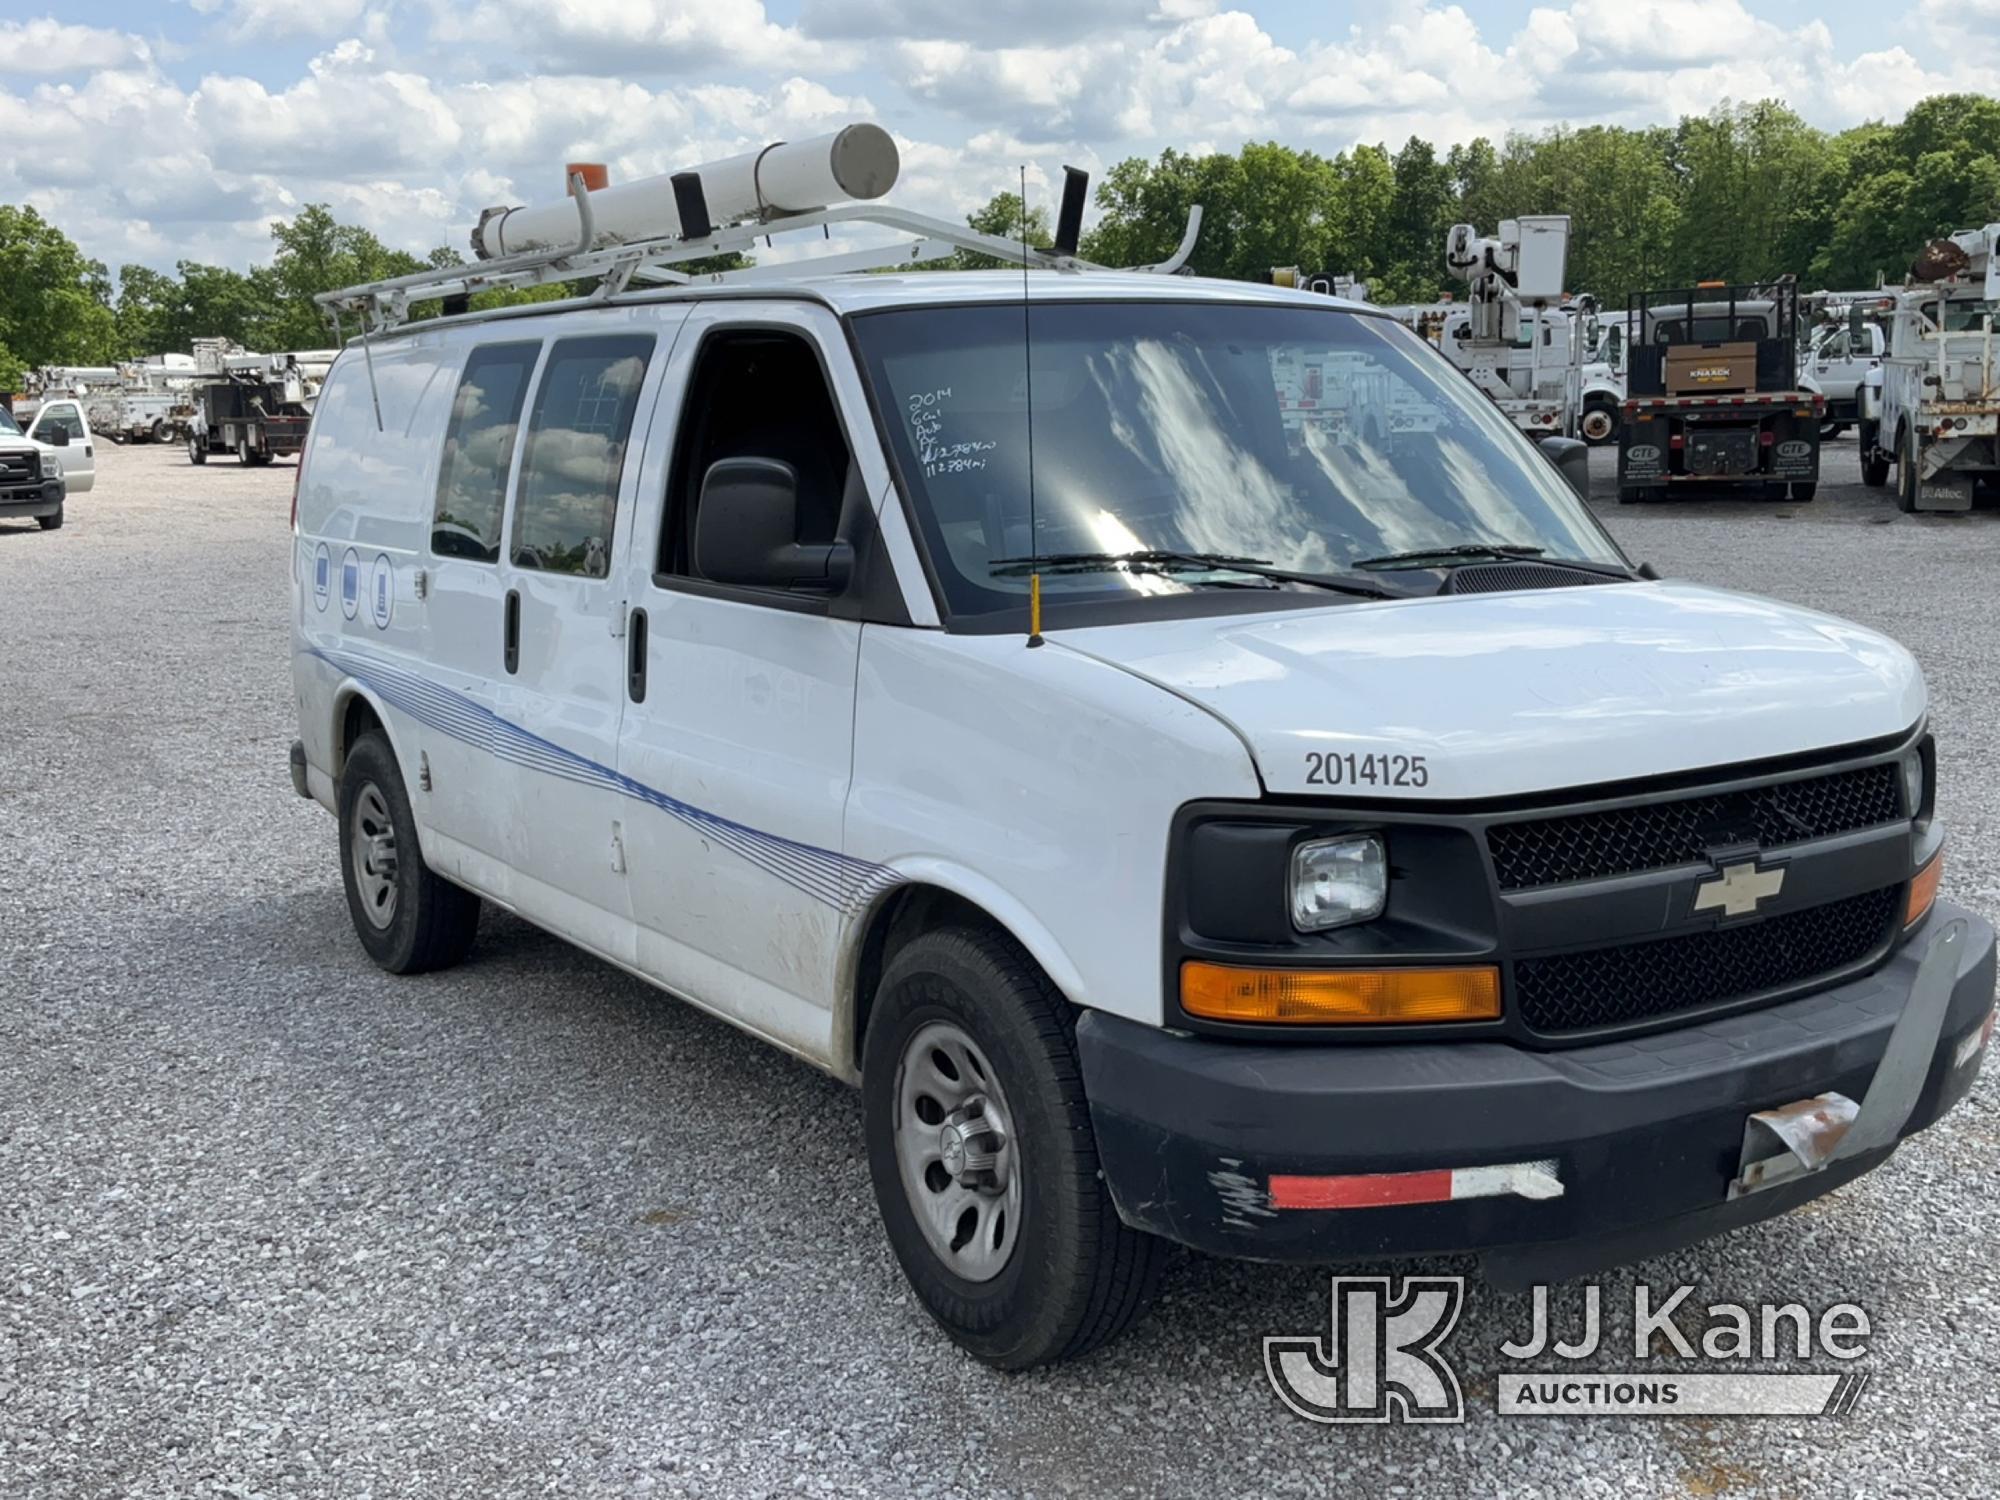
(1225, 992)
(1923, 890)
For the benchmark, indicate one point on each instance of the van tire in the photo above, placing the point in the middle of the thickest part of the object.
(1077, 1275)
(432, 922)
(51, 522)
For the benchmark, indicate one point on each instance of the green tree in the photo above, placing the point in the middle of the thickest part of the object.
(55, 303)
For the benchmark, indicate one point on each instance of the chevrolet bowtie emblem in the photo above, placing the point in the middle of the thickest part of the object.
(1738, 889)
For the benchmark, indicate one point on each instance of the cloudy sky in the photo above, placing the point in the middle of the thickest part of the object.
(157, 130)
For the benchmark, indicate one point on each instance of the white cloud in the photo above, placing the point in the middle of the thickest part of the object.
(1038, 23)
(624, 37)
(266, 20)
(47, 45)
(415, 114)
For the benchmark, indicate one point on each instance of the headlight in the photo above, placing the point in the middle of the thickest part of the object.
(1336, 882)
(1916, 783)
(51, 466)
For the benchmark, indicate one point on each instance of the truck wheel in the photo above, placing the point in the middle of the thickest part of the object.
(1906, 471)
(160, 433)
(409, 919)
(1631, 494)
(197, 450)
(51, 523)
(1802, 492)
(243, 454)
(1874, 462)
(1600, 423)
(984, 1161)
(1831, 430)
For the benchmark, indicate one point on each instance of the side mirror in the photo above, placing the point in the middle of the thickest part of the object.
(55, 437)
(746, 530)
(1572, 461)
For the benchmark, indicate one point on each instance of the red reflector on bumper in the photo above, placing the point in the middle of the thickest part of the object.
(1528, 1179)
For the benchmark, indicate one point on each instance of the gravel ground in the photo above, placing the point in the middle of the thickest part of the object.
(273, 1223)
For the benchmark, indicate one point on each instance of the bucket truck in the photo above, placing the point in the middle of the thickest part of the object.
(1514, 341)
(1934, 409)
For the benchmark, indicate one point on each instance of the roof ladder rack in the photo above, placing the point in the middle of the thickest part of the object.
(385, 305)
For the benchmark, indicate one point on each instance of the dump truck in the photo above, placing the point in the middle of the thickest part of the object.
(1933, 409)
(1714, 396)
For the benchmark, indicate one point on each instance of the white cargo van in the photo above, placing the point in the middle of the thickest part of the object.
(1351, 853)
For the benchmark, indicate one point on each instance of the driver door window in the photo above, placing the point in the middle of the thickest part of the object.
(757, 393)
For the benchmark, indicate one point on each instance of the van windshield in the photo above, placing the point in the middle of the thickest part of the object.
(1309, 440)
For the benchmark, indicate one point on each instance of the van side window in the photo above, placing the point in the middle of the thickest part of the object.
(478, 448)
(575, 456)
(757, 393)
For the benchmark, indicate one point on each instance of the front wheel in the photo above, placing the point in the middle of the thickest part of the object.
(197, 450)
(984, 1160)
(408, 918)
(1599, 425)
(51, 522)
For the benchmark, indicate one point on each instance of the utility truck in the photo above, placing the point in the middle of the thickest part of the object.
(1934, 413)
(1714, 396)
(151, 401)
(1510, 337)
(255, 406)
(1180, 822)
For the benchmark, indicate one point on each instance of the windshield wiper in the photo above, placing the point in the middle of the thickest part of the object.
(1470, 552)
(1154, 560)
(1426, 557)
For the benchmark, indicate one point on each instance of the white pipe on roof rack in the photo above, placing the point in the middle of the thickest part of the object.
(858, 161)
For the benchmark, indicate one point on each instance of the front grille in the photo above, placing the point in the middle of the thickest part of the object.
(1658, 835)
(1641, 981)
(18, 468)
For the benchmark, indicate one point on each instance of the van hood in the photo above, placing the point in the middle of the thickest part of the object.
(1511, 694)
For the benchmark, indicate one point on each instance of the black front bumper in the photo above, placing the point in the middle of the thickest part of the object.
(42, 498)
(1645, 1134)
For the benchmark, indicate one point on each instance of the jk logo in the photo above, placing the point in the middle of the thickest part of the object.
(1379, 1361)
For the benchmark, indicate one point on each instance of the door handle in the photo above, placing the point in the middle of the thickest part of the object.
(635, 659)
(510, 635)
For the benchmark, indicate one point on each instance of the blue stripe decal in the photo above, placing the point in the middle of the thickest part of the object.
(846, 884)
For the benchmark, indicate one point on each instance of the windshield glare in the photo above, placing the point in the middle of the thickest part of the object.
(1305, 438)
(8, 426)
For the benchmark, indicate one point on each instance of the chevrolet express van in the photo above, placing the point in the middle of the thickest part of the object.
(1188, 807)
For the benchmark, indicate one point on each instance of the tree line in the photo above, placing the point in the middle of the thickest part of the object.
(1743, 193)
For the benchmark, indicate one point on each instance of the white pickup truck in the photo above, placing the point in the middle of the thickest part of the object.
(1934, 411)
(60, 423)
(1839, 362)
(31, 477)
